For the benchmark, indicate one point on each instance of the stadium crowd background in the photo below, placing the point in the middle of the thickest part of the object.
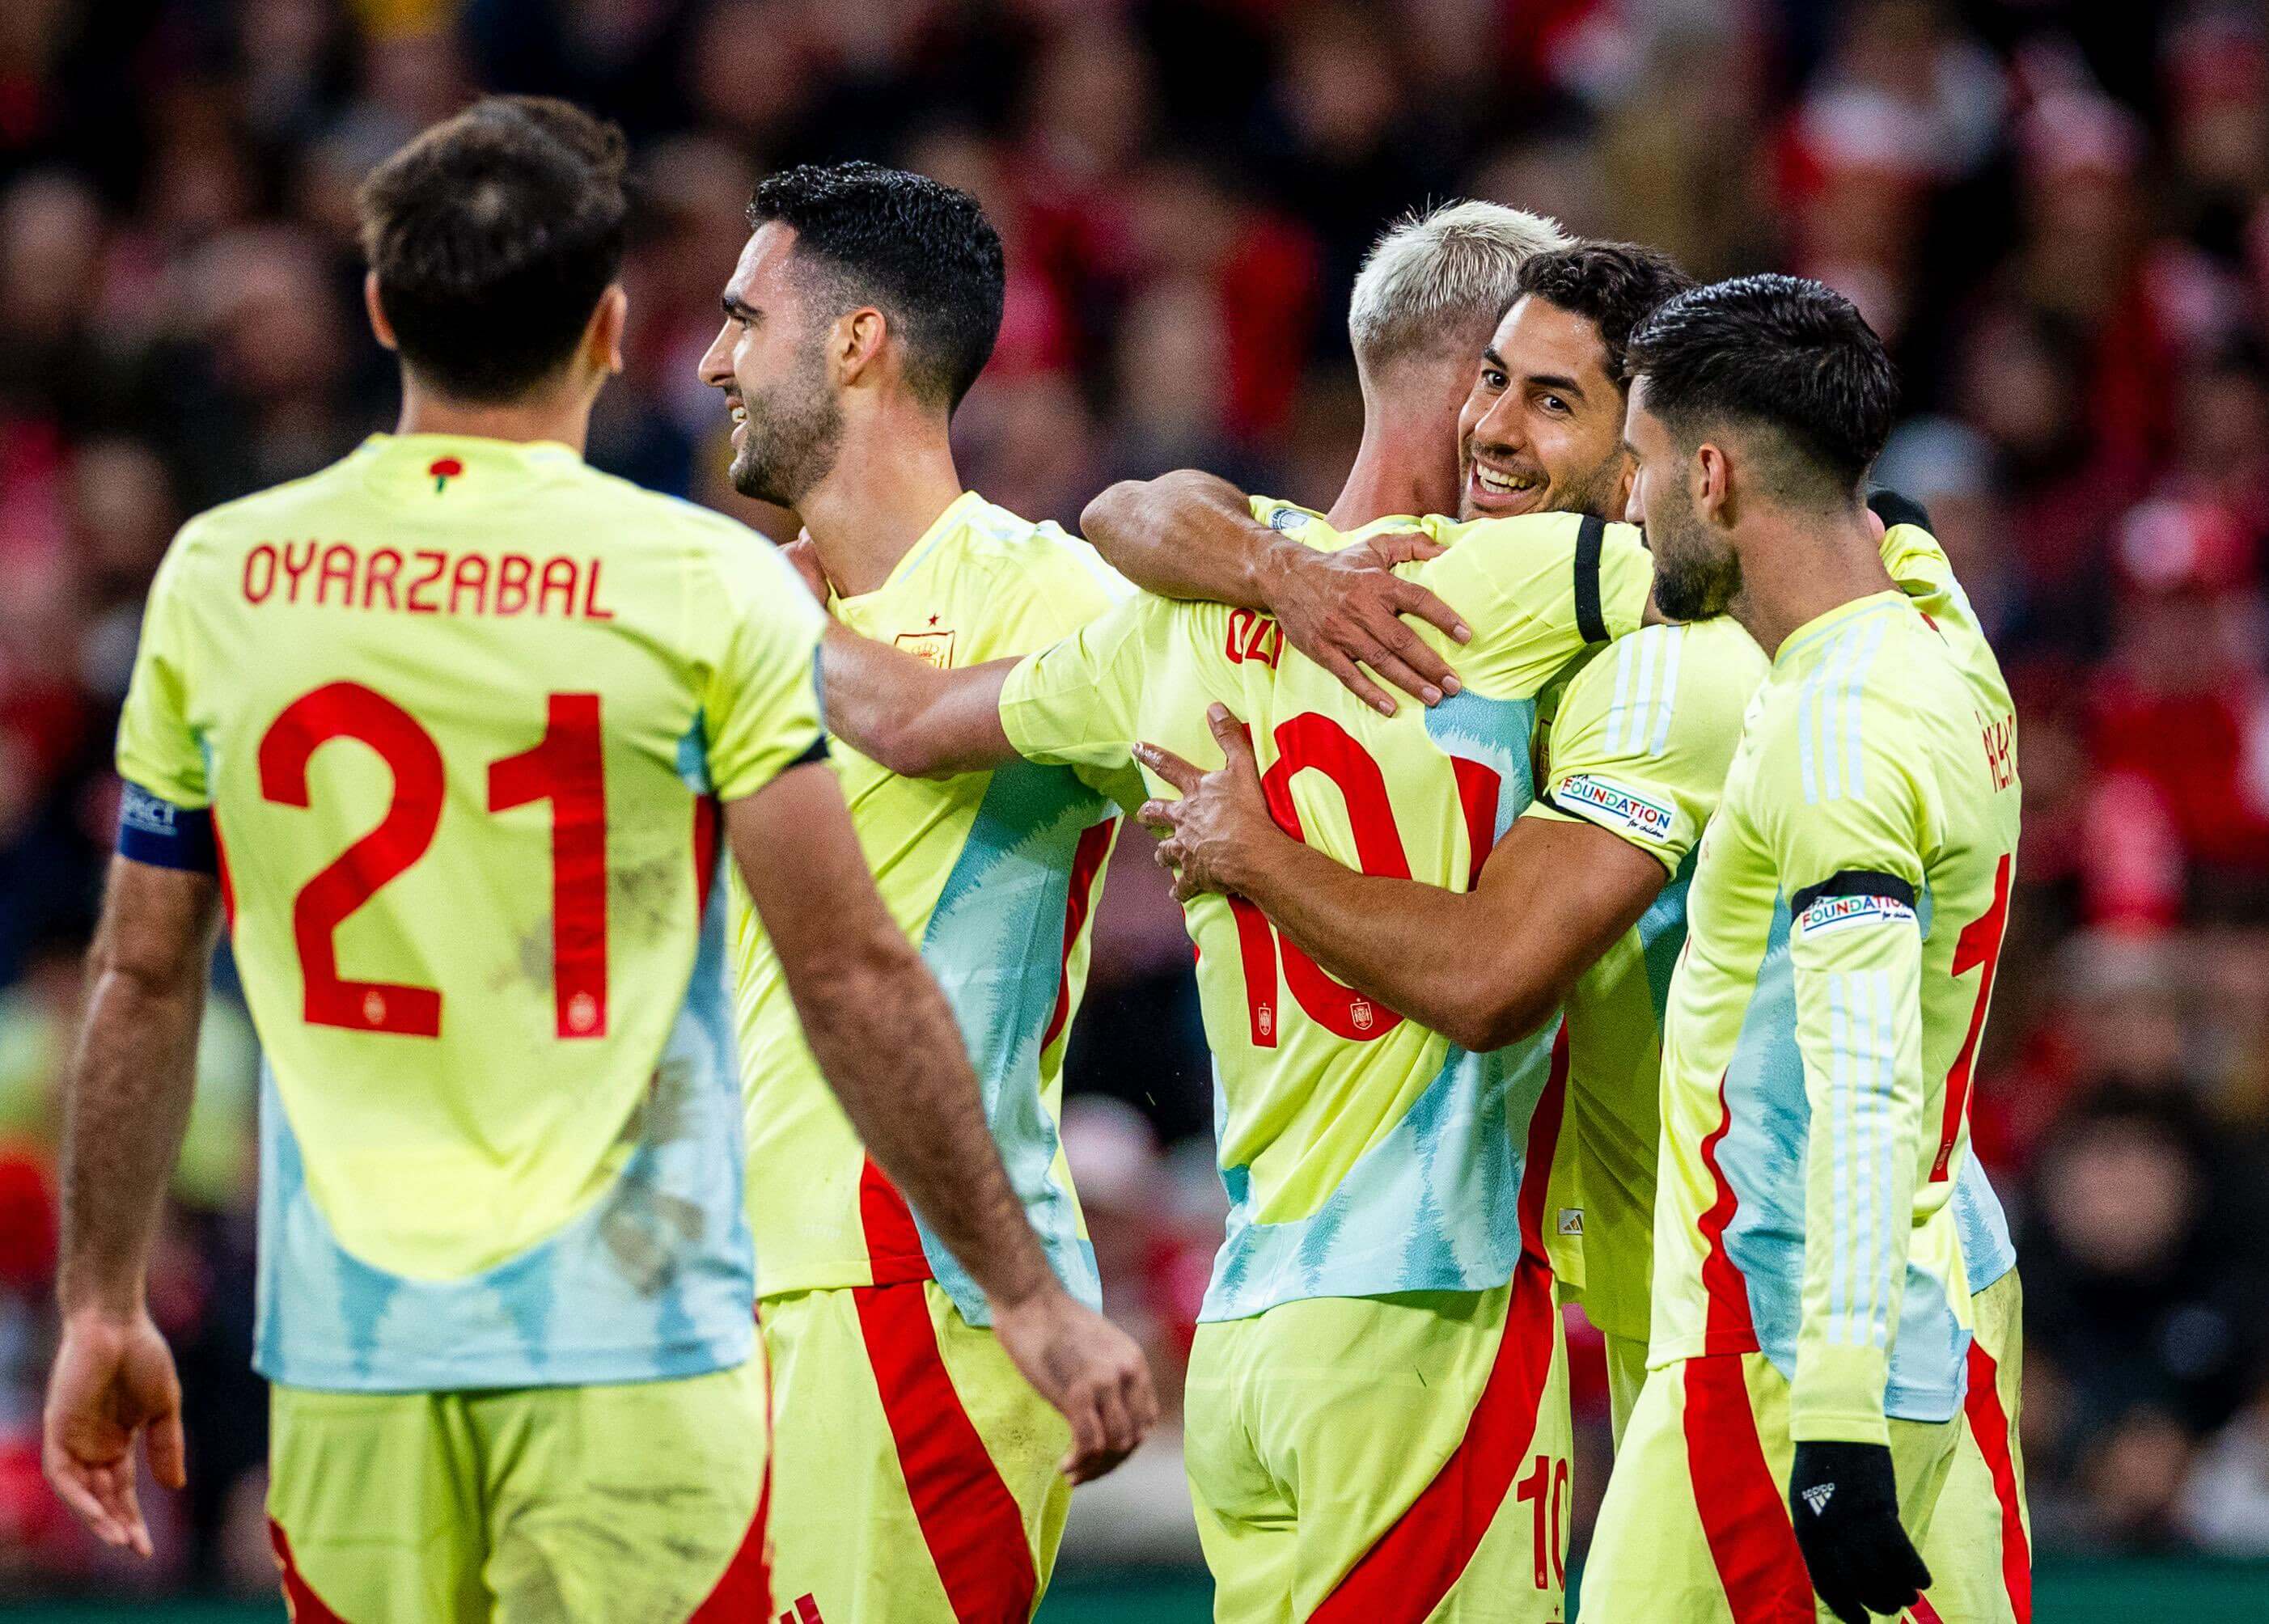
(2057, 214)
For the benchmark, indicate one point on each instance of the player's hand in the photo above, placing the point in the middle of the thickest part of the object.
(803, 555)
(113, 1381)
(1343, 610)
(1845, 1501)
(1089, 1368)
(1207, 837)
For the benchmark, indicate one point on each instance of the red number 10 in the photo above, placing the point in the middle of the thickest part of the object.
(564, 767)
(1313, 740)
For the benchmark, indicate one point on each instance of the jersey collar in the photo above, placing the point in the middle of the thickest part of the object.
(956, 514)
(1840, 615)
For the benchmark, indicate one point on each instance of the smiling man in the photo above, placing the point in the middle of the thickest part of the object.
(918, 1471)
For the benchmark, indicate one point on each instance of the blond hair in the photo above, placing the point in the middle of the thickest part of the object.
(1433, 281)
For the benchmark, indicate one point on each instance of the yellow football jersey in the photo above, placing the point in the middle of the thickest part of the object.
(995, 876)
(461, 712)
(1362, 1155)
(1845, 916)
(1639, 744)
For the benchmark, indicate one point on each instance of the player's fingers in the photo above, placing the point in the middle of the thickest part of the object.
(126, 1507)
(1169, 766)
(1120, 1434)
(1235, 739)
(1086, 1435)
(69, 1481)
(1410, 598)
(1142, 1399)
(1163, 814)
(1404, 547)
(1398, 637)
(1393, 669)
(168, 1450)
(1351, 678)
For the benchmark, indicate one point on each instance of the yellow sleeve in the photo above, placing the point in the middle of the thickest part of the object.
(1536, 590)
(158, 747)
(1847, 839)
(1074, 703)
(1645, 734)
(761, 705)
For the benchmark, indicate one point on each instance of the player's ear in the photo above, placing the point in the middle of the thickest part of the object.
(376, 311)
(603, 339)
(857, 340)
(1711, 477)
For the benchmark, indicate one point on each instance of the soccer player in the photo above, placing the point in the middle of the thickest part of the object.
(452, 732)
(917, 1473)
(1637, 755)
(1581, 906)
(1378, 1359)
(1811, 1309)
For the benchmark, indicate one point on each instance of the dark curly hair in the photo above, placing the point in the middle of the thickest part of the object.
(918, 250)
(492, 235)
(1785, 354)
(1613, 286)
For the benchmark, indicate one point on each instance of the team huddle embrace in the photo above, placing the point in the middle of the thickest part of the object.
(1596, 827)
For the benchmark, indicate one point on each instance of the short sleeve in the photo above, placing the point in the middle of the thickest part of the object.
(761, 711)
(1074, 703)
(158, 750)
(1536, 590)
(1646, 733)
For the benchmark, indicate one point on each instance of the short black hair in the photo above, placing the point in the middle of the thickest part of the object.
(1785, 353)
(919, 251)
(492, 235)
(1614, 285)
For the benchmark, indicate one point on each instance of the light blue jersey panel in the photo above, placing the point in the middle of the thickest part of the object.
(1763, 1158)
(995, 943)
(1434, 1206)
(655, 1281)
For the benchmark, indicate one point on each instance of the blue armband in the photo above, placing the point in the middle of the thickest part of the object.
(152, 829)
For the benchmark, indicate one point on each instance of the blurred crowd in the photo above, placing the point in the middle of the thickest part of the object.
(2057, 214)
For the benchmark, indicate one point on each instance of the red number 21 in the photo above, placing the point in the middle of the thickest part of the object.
(564, 767)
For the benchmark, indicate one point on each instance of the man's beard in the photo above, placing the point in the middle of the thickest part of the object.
(1690, 581)
(1593, 494)
(791, 442)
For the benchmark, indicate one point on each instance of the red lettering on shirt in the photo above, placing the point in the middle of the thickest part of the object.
(293, 572)
(1999, 739)
(471, 575)
(338, 565)
(514, 570)
(441, 561)
(591, 610)
(385, 564)
(260, 553)
(1253, 636)
(559, 576)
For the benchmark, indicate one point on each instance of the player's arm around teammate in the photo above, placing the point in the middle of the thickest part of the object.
(1484, 967)
(1192, 535)
(886, 1041)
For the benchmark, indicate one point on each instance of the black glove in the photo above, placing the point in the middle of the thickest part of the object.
(1845, 1501)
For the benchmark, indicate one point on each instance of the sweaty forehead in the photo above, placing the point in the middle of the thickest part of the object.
(762, 277)
(1537, 338)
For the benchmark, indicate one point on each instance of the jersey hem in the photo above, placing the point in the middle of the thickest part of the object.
(594, 1367)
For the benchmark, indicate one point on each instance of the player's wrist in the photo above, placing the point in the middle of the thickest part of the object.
(1273, 567)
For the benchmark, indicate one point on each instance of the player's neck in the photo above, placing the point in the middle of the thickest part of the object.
(1797, 567)
(1394, 472)
(562, 416)
(884, 493)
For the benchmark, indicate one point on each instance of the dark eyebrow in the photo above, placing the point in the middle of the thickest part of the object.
(1557, 384)
(1493, 358)
(738, 310)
